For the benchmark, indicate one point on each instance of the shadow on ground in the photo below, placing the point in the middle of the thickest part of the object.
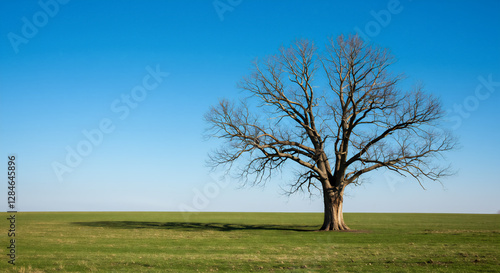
(191, 226)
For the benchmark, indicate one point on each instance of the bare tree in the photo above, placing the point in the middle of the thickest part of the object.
(357, 121)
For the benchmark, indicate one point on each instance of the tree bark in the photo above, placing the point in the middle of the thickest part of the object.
(333, 218)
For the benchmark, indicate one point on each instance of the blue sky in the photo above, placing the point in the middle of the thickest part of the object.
(143, 73)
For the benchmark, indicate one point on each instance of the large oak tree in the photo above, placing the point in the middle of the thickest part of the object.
(336, 115)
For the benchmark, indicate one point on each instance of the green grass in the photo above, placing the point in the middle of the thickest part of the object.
(244, 242)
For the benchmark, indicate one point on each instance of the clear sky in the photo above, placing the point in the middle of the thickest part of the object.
(103, 101)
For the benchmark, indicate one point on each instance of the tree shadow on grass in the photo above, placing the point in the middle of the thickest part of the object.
(191, 226)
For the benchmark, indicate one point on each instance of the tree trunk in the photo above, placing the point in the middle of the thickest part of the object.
(333, 218)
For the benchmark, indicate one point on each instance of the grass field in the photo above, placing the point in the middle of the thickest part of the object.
(251, 242)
